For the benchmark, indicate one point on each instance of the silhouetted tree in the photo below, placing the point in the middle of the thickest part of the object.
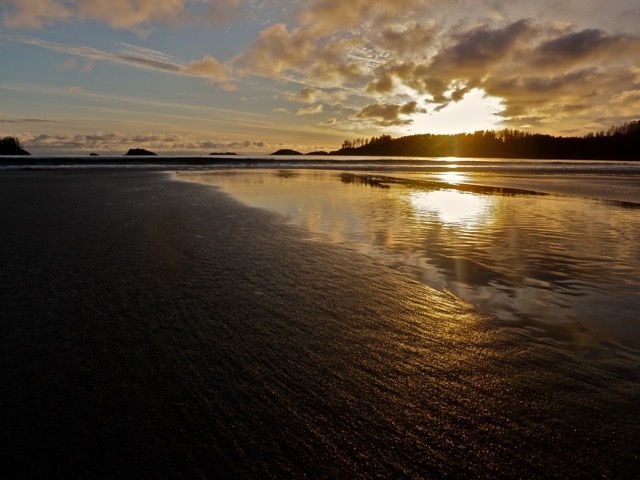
(10, 142)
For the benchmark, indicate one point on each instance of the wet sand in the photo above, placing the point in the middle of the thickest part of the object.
(154, 328)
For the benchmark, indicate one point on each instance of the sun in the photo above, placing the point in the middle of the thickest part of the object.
(476, 111)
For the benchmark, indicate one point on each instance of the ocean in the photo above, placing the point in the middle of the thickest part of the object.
(352, 319)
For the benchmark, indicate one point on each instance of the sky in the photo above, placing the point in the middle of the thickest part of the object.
(253, 76)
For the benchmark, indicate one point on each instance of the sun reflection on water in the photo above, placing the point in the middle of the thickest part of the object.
(453, 207)
(453, 178)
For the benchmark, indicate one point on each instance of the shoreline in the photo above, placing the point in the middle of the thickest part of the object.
(605, 180)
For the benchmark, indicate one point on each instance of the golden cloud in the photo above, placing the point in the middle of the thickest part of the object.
(312, 110)
(208, 67)
(34, 13)
(118, 14)
(277, 50)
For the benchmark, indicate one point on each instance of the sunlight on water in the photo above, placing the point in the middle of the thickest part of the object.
(453, 207)
(563, 266)
(453, 178)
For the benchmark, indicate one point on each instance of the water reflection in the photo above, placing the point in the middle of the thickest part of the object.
(453, 178)
(565, 267)
(452, 206)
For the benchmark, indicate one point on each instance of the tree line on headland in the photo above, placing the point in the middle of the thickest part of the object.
(617, 143)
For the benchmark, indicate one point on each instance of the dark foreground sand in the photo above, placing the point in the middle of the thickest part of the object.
(157, 329)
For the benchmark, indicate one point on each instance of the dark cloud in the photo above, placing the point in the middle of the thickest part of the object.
(572, 48)
(28, 120)
(479, 48)
(383, 84)
(539, 85)
(388, 115)
(410, 108)
(149, 63)
(407, 41)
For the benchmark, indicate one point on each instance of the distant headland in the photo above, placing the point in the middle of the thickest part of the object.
(286, 151)
(11, 146)
(139, 152)
(617, 143)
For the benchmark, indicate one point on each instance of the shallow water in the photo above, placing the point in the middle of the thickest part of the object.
(562, 266)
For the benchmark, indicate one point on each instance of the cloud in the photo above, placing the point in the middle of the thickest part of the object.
(139, 57)
(134, 56)
(276, 50)
(306, 95)
(383, 84)
(335, 64)
(70, 64)
(120, 14)
(537, 71)
(585, 46)
(312, 110)
(33, 14)
(388, 115)
(323, 50)
(476, 50)
(311, 95)
(118, 142)
(208, 67)
(328, 16)
(26, 120)
(220, 12)
(129, 14)
(410, 108)
(402, 40)
(629, 99)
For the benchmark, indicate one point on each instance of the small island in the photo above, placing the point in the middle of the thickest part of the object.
(286, 151)
(11, 146)
(139, 152)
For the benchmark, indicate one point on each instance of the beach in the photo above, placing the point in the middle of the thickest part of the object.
(161, 328)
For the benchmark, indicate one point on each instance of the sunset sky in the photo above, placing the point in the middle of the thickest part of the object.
(199, 76)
